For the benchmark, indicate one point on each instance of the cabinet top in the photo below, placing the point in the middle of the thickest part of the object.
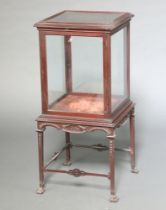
(85, 20)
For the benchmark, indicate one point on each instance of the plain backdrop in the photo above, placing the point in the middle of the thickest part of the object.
(20, 105)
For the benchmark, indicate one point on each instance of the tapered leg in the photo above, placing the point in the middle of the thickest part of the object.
(111, 139)
(68, 155)
(40, 190)
(132, 142)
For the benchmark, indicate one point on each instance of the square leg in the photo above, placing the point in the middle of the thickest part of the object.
(40, 189)
(111, 139)
(132, 142)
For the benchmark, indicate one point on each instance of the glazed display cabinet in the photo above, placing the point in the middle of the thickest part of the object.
(85, 83)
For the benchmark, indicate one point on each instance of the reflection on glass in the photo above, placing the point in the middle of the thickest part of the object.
(118, 68)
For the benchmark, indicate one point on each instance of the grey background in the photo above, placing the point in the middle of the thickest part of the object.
(20, 104)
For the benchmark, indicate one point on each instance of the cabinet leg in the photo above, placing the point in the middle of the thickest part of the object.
(111, 139)
(40, 190)
(68, 154)
(132, 142)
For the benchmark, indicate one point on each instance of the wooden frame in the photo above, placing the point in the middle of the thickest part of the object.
(106, 69)
(72, 122)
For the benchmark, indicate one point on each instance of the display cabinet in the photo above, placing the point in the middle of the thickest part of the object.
(85, 80)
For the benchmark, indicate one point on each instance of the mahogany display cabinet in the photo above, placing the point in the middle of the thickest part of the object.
(85, 83)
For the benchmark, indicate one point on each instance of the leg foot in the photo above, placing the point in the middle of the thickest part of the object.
(114, 199)
(40, 190)
(134, 170)
(67, 163)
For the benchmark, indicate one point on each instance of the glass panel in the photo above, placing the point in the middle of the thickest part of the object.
(118, 68)
(55, 69)
(86, 17)
(87, 64)
(75, 74)
(87, 74)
